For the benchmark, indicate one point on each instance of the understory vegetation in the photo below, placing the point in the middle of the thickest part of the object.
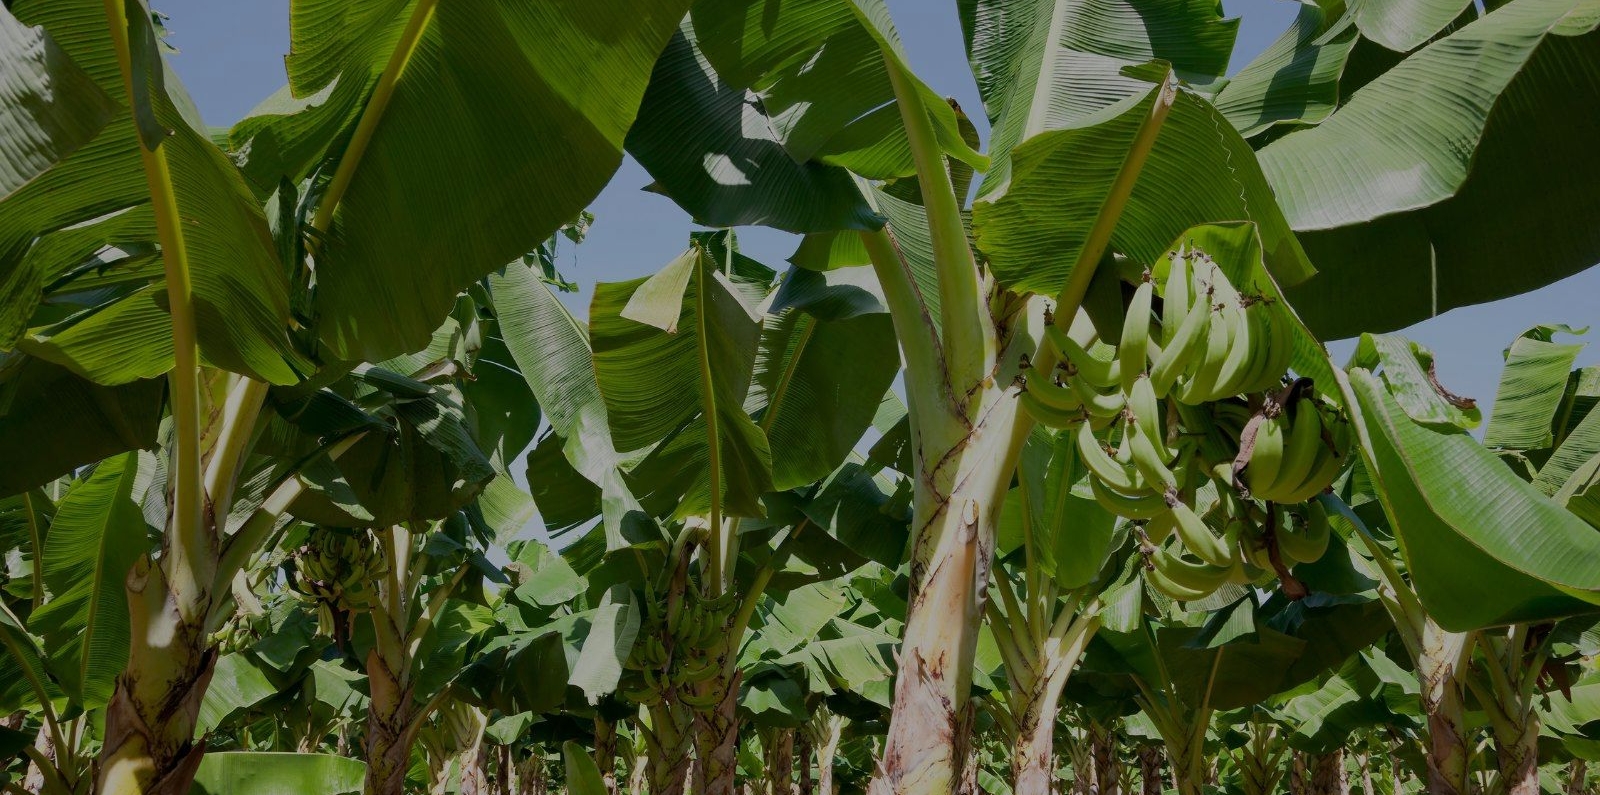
(1028, 472)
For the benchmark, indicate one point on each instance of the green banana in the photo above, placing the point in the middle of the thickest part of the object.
(1191, 575)
(1144, 506)
(1101, 465)
(1260, 456)
(1300, 448)
(699, 701)
(1175, 299)
(1196, 389)
(1098, 404)
(1102, 373)
(1196, 537)
(1243, 348)
(1186, 347)
(1161, 525)
(1308, 543)
(1133, 349)
(1047, 415)
(1158, 579)
(1146, 410)
(1147, 461)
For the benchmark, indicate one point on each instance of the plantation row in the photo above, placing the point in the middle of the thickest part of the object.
(1028, 474)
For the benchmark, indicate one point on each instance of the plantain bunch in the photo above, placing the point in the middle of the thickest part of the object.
(681, 644)
(339, 569)
(1191, 409)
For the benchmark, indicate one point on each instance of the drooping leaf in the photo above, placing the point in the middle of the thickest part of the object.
(239, 288)
(1047, 64)
(674, 355)
(48, 106)
(818, 383)
(236, 684)
(23, 679)
(1464, 519)
(1199, 171)
(612, 630)
(1405, 26)
(711, 149)
(52, 422)
(1296, 79)
(410, 231)
(276, 773)
(1408, 374)
(1531, 390)
(583, 776)
(98, 532)
(1434, 203)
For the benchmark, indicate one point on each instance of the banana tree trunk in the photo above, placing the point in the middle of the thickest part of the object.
(961, 486)
(1150, 770)
(1328, 774)
(716, 736)
(530, 775)
(1577, 777)
(1106, 765)
(390, 717)
(1033, 751)
(502, 770)
(33, 781)
(605, 753)
(780, 762)
(1442, 702)
(150, 747)
(802, 753)
(1518, 753)
(639, 774)
(669, 741)
(475, 770)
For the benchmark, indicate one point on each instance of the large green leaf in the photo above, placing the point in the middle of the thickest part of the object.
(613, 627)
(52, 422)
(756, 106)
(98, 532)
(819, 377)
(674, 355)
(458, 178)
(48, 106)
(711, 148)
(1407, 370)
(1464, 519)
(1407, 25)
(583, 775)
(421, 463)
(1071, 535)
(237, 683)
(1484, 169)
(1199, 171)
(240, 291)
(1532, 387)
(551, 349)
(1047, 64)
(22, 670)
(1296, 79)
(271, 773)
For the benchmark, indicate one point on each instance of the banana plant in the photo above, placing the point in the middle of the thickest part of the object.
(738, 367)
(119, 158)
(1060, 543)
(1404, 409)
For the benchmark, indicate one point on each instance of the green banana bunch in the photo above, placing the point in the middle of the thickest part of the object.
(1292, 450)
(1216, 343)
(339, 568)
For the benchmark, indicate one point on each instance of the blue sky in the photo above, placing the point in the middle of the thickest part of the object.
(231, 57)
